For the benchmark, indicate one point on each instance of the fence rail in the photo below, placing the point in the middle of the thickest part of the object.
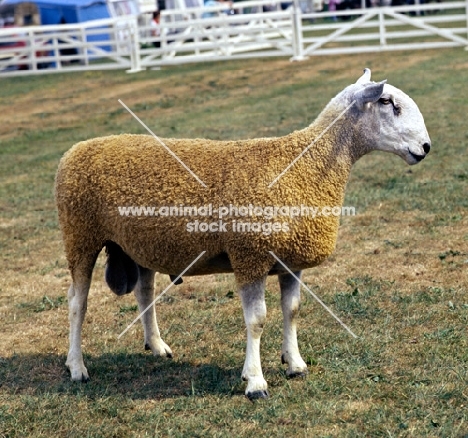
(380, 29)
(213, 34)
(98, 44)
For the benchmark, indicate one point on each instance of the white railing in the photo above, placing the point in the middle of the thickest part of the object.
(98, 45)
(387, 29)
(216, 38)
(186, 36)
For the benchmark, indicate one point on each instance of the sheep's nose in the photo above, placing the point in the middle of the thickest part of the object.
(426, 147)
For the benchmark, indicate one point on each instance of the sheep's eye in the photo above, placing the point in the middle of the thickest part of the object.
(385, 101)
(396, 108)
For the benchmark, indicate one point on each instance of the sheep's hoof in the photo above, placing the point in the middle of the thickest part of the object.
(78, 374)
(82, 379)
(165, 352)
(296, 374)
(257, 395)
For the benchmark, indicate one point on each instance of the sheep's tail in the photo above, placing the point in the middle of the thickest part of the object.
(121, 271)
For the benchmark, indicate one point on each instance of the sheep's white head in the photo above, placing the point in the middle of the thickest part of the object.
(400, 127)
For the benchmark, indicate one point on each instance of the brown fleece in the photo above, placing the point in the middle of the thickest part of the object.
(97, 176)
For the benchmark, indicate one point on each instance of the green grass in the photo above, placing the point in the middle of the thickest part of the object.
(398, 277)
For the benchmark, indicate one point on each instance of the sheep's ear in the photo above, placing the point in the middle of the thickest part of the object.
(369, 94)
(365, 78)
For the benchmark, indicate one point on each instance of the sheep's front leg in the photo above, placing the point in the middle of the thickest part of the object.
(253, 303)
(77, 304)
(290, 300)
(144, 293)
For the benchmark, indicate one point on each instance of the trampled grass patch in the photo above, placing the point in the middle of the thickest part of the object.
(398, 277)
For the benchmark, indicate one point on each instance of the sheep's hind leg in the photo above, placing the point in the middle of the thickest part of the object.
(144, 293)
(290, 300)
(253, 303)
(77, 304)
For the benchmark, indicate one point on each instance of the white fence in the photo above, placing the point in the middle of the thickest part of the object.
(95, 45)
(188, 36)
(389, 28)
(253, 29)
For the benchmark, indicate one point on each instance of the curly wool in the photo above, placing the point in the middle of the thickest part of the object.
(97, 176)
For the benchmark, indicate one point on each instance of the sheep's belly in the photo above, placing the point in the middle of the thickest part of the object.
(220, 264)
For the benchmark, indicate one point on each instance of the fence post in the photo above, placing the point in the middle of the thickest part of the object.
(135, 60)
(383, 39)
(84, 47)
(32, 53)
(297, 42)
(466, 17)
(58, 59)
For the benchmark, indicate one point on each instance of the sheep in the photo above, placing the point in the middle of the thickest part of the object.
(97, 176)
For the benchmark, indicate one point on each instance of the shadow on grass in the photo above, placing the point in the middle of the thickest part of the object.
(136, 376)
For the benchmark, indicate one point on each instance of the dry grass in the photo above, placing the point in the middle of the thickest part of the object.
(398, 277)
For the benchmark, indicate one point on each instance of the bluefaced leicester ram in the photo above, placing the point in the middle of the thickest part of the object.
(98, 176)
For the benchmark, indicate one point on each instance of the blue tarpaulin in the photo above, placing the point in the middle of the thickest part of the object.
(68, 11)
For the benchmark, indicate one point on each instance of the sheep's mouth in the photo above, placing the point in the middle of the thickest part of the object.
(418, 158)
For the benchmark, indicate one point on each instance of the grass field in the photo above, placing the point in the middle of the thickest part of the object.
(398, 278)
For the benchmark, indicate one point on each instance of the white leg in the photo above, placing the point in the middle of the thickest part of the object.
(253, 303)
(290, 300)
(77, 303)
(144, 293)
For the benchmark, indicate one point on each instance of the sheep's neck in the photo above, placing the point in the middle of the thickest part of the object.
(326, 165)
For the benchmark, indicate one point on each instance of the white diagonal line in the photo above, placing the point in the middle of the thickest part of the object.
(311, 144)
(161, 294)
(162, 143)
(315, 296)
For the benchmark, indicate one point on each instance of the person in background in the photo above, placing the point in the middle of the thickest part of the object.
(332, 8)
(156, 28)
